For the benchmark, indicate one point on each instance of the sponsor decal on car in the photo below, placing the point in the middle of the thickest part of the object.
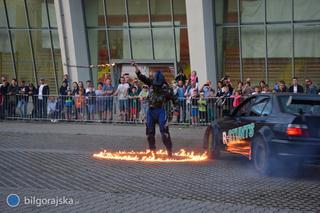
(239, 133)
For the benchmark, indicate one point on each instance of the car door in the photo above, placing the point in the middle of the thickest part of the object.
(259, 110)
(235, 129)
(246, 119)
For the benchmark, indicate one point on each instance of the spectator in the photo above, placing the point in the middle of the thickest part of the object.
(89, 83)
(91, 100)
(13, 90)
(193, 77)
(136, 84)
(193, 81)
(122, 93)
(226, 91)
(63, 89)
(133, 104)
(206, 88)
(194, 106)
(262, 85)
(257, 90)
(1, 103)
(80, 103)
(109, 89)
(81, 87)
(282, 86)
(310, 88)
(219, 89)
(3, 79)
(202, 106)
(4, 90)
(101, 101)
(43, 92)
(265, 89)
(210, 105)
(186, 84)
(247, 90)
(68, 105)
(75, 88)
(127, 80)
(180, 91)
(239, 86)
(23, 99)
(32, 107)
(236, 98)
(181, 77)
(144, 103)
(52, 109)
(227, 82)
(66, 79)
(295, 87)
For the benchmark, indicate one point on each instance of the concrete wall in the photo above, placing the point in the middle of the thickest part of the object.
(72, 38)
(201, 39)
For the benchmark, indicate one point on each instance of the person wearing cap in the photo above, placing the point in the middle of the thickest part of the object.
(42, 100)
(160, 94)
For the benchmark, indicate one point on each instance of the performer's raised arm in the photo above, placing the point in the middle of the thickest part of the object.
(142, 77)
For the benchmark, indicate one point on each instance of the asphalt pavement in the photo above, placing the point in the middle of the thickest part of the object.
(51, 169)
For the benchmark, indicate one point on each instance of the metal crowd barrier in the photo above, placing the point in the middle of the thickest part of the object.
(109, 109)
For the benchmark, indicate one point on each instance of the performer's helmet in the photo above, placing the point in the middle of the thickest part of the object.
(158, 78)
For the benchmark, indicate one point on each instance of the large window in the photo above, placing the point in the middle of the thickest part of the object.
(29, 44)
(147, 30)
(278, 39)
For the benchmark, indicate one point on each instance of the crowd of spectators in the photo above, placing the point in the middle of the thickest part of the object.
(76, 101)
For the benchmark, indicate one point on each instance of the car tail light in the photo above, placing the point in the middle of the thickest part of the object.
(297, 130)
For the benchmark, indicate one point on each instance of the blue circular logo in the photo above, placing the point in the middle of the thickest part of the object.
(13, 200)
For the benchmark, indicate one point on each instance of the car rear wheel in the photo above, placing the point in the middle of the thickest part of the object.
(213, 144)
(261, 157)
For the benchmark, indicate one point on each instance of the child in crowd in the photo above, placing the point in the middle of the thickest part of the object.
(80, 103)
(133, 104)
(236, 98)
(91, 99)
(52, 109)
(68, 105)
(265, 89)
(256, 90)
(144, 103)
(193, 77)
(202, 106)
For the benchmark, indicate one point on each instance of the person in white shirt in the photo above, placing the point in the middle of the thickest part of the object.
(295, 87)
(122, 93)
(43, 93)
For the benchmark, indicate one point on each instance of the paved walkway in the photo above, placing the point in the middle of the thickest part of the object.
(55, 160)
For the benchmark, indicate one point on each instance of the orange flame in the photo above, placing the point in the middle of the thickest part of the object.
(148, 156)
(239, 147)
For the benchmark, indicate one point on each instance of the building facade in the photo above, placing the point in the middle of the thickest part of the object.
(267, 40)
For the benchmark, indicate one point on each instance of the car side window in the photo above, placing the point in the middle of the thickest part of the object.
(244, 107)
(261, 107)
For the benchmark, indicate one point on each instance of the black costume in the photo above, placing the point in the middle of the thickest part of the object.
(160, 94)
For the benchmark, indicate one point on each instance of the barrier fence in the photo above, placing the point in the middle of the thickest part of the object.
(190, 111)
